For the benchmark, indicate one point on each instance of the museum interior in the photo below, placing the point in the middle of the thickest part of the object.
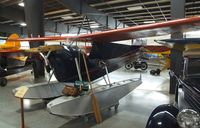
(99, 63)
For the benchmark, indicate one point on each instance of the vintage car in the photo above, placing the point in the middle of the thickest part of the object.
(184, 113)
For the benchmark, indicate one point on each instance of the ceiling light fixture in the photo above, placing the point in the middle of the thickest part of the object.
(94, 26)
(23, 24)
(21, 4)
(66, 17)
(134, 8)
(149, 22)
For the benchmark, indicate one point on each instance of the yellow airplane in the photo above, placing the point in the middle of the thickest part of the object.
(12, 59)
(11, 46)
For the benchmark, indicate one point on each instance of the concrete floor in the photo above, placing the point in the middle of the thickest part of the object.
(133, 111)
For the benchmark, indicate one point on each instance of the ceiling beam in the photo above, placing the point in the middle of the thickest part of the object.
(82, 8)
(10, 29)
(56, 12)
(143, 17)
(60, 16)
(13, 14)
(108, 2)
(141, 14)
(68, 19)
(112, 10)
(17, 16)
(111, 7)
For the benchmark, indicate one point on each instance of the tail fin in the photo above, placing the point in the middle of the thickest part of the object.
(13, 44)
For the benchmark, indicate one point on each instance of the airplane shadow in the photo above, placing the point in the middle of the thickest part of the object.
(33, 107)
(88, 120)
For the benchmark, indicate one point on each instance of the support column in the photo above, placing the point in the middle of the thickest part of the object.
(34, 20)
(177, 11)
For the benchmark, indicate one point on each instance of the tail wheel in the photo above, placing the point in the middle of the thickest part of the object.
(128, 66)
(144, 65)
(3, 82)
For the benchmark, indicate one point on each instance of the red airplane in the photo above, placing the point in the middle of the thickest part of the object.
(105, 53)
(68, 64)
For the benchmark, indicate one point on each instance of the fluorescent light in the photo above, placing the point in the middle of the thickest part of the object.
(23, 24)
(149, 22)
(66, 17)
(21, 4)
(135, 8)
(94, 26)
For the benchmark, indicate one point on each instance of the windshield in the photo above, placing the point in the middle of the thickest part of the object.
(193, 68)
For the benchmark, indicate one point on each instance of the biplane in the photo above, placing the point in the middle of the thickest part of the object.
(67, 63)
(13, 59)
(157, 56)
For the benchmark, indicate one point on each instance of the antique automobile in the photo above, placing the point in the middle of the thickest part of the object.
(185, 112)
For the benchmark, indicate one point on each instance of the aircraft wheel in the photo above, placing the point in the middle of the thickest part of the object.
(38, 68)
(116, 107)
(128, 66)
(86, 119)
(47, 100)
(3, 82)
(144, 65)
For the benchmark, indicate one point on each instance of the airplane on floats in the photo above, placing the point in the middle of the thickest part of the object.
(67, 64)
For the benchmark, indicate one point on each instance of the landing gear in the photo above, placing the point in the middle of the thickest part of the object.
(115, 107)
(3, 82)
(38, 68)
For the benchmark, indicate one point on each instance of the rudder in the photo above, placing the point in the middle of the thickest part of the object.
(15, 44)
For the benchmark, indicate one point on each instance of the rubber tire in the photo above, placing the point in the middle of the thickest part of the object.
(38, 68)
(158, 71)
(128, 66)
(3, 82)
(152, 72)
(144, 65)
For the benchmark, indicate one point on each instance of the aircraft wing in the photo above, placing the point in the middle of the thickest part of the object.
(140, 31)
(183, 41)
(156, 48)
(4, 47)
(11, 50)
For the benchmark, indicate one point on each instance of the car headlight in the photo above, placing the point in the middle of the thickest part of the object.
(188, 118)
